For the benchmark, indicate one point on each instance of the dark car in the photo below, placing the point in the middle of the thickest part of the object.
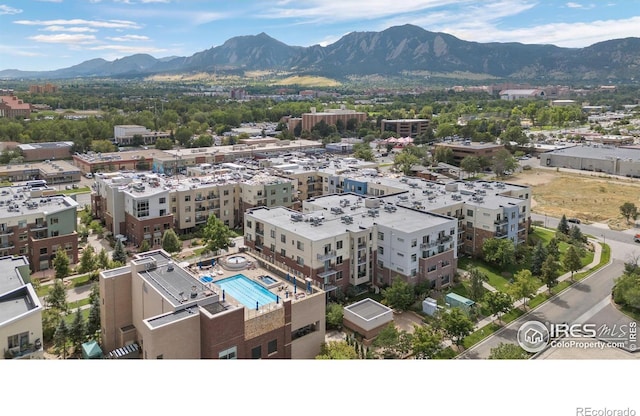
(573, 220)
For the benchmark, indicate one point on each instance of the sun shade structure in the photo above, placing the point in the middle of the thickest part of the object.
(91, 350)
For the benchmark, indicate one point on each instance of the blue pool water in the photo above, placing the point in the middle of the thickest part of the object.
(246, 291)
(268, 280)
(206, 279)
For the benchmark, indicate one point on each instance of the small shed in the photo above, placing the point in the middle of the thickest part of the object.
(367, 317)
(454, 300)
(91, 350)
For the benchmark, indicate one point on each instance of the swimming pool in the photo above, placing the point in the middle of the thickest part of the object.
(246, 291)
(268, 280)
(206, 279)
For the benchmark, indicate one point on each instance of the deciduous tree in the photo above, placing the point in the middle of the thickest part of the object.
(629, 211)
(456, 325)
(399, 295)
(571, 260)
(508, 352)
(170, 242)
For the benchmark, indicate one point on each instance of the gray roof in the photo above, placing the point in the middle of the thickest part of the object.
(368, 309)
(599, 152)
(15, 201)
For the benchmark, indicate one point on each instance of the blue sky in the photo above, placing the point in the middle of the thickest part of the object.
(52, 34)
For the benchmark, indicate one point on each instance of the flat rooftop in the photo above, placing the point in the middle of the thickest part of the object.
(16, 201)
(368, 309)
(602, 152)
(10, 279)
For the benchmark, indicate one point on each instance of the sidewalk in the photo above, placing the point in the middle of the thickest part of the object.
(597, 255)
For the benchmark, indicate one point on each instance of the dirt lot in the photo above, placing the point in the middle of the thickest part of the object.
(588, 196)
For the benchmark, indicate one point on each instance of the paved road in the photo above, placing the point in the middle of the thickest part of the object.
(578, 304)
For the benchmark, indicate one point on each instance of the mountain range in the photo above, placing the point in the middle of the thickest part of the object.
(397, 51)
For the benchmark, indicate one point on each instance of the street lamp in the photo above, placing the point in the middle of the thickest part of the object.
(604, 239)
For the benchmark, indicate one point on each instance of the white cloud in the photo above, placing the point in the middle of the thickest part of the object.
(18, 51)
(64, 38)
(126, 49)
(4, 9)
(573, 5)
(67, 29)
(128, 38)
(107, 24)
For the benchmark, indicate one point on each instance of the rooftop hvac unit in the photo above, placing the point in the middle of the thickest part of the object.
(296, 217)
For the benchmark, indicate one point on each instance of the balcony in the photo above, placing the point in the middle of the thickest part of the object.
(23, 351)
(199, 198)
(326, 256)
(444, 239)
(362, 260)
(200, 209)
(260, 231)
(213, 196)
(8, 231)
(501, 234)
(7, 246)
(39, 226)
(501, 220)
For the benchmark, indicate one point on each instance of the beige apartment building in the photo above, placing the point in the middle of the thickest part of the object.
(20, 311)
(170, 312)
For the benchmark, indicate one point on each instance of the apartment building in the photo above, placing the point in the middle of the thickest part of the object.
(141, 206)
(346, 240)
(173, 313)
(35, 225)
(20, 311)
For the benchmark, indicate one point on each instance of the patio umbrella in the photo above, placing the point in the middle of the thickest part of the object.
(200, 265)
(222, 294)
(256, 305)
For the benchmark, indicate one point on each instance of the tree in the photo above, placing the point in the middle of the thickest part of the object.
(102, 146)
(563, 225)
(363, 151)
(571, 260)
(476, 278)
(393, 343)
(471, 165)
(77, 330)
(216, 235)
(404, 160)
(61, 263)
(626, 291)
(399, 295)
(164, 143)
(538, 257)
(524, 286)
(498, 303)
(60, 338)
(103, 259)
(334, 315)
(499, 251)
(93, 320)
(170, 242)
(508, 352)
(337, 350)
(443, 154)
(503, 162)
(119, 255)
(553, 249)
(456, 325)
(88, 261)
(629, 211)
(57, 297)
(550, 272)
(144, 246)
(426, 342)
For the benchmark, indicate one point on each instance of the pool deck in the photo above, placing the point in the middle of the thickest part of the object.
(281, 288)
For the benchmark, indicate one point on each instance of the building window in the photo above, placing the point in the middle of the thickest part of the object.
(53, 220)
(469, 213)
(339, 275)
(22, 223)
(142, 208)
(432, 268)
(414, 257)
(163, 200)
(43, 250)
(380, 250)
(229, 354)
(249, 224)
(380, 236)
(187, 198)
(16, 341)
(300, 261)
(163, 212)
(225, 192)
(283, 238)
(272, 347)
(338, 245)
(339, 260)
(414, 243)
(256, 352)
(55, 233)
(300, 245)
(283, 252)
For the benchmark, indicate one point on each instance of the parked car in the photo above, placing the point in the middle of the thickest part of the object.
(573, 220)
(636, 238)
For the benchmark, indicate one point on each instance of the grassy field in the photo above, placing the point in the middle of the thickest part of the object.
(590, 198)
(308, 81)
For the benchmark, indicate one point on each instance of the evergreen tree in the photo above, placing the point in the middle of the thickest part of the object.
(119, 255)
(170, 242)
(93, 320)
(60, 338)
(61, 263)
(103, 259)
(563, 225)
(57, 297)
(552, 249)
(538, 257)
(144, 246)
(476, 278)
(77, 330)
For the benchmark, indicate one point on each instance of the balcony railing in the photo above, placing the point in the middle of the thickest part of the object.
(260, 231)
(39, 225)
(501, 221)
(6, 231)
(327, 256)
